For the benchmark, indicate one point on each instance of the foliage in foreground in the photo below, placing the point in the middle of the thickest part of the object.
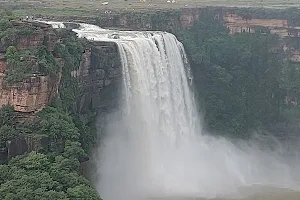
(53, 173)
(36, 176)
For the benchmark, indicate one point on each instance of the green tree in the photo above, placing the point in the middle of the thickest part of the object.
(35, 176)
(82, 192)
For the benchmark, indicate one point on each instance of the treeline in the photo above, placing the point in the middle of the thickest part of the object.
(241, 80)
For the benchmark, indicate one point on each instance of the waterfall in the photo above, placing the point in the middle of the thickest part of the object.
(146, 150)
(154, 146)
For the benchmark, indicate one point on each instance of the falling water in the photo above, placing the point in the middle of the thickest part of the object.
(154, 146)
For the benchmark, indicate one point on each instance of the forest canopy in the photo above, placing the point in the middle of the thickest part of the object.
(242, 80)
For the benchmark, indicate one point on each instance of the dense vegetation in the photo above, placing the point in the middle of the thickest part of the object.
(10, 33)
(242, 79)
(149, 20)
(25, 63)
(52, 171)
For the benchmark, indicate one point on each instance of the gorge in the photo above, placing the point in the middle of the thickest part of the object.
(152, 140)
(155, 142)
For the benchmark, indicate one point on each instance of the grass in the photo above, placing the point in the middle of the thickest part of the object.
(92, 7)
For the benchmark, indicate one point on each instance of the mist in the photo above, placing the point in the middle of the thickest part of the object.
(200, 166)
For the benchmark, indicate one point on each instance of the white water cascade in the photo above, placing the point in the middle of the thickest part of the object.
(155, 146)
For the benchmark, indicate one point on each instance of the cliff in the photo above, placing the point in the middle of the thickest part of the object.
(185, 18)
(136, 20)
(97, 74)
(41, 34)
(34, 93)
(238, 24)
(30, 95)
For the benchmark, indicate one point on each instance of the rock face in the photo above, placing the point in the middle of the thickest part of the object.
(34, 93)
(237, 24)
(99, 74)
(159, 20)
(26, 143)
(294, 55)
(30, 95)
(29, 42)
(99, 77)
(43, 34)
(188, 17)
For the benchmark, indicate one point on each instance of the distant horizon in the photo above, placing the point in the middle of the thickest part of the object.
(83, 8)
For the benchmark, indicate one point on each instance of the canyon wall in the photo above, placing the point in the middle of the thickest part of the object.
(98, 77)
(238, 24)
(281, 27)
(31, 95)
(136, 20)
(34, 93)
(172, 21)
(100, 68)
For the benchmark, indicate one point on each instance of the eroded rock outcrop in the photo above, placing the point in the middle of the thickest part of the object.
(99, 74)
(31, 95)
(280, 27)
(159, 20)
(188, 17)
(42, 34)
(238, 24)
(34, 93)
